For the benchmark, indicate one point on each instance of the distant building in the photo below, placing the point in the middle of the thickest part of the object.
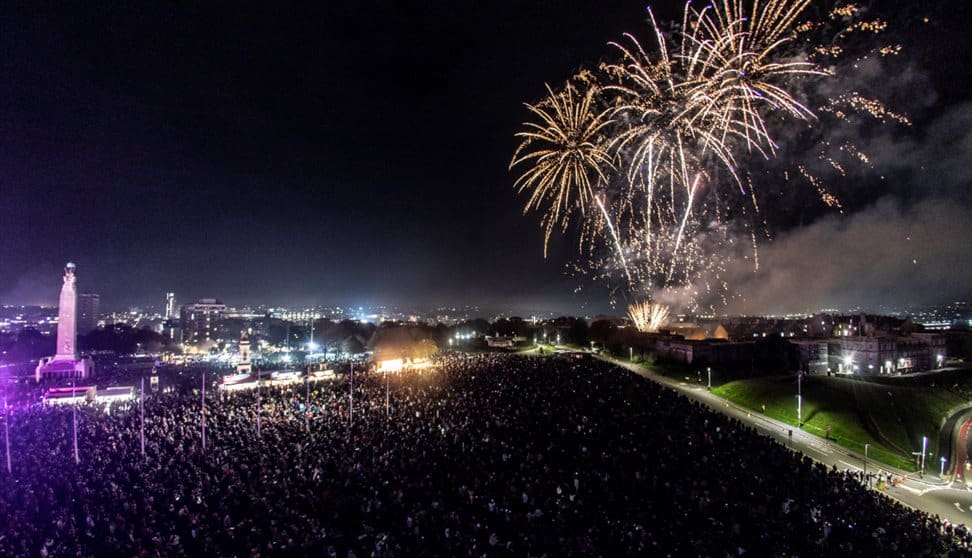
(887, 354)
(699, 332)
(89, 309)
(199, 320)
(711, 351)
(501, 342)
(170, 306)
(812, 355)
(172, 329)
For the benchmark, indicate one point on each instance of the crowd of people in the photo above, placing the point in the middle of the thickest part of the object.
(494, 455)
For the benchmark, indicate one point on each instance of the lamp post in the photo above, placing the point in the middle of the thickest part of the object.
(865, 463)
(941, 472)
(258, 403)
(924, 448)
(141, 415)
(708, 370)
(202, 411)
(74, 422)
(6, 429)
(631, 354)
(799, 400)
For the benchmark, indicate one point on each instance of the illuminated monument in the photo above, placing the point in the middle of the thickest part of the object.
(66, 364)
(244, 366)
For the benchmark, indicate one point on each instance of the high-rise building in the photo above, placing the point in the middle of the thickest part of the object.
(199, 320)
(170, 306)
(89, 307)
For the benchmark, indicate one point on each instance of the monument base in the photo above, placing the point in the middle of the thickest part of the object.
(54, 367)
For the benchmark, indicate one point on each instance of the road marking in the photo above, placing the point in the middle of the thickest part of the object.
(958, 507)
(919, 491)
(855, 467)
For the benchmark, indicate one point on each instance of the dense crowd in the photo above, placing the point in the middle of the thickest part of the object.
(480, 456)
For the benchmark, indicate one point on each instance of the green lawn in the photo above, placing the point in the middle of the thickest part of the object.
(890, 418)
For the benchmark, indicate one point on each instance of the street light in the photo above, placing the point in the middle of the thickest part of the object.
(708, 370)
(941, 472)
(799, 400)
(865, 464)
(631, 353)
(924, 447)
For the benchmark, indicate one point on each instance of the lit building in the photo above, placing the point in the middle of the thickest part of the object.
(199, 320)
(887, 354)
(170, 306)
(89, 306)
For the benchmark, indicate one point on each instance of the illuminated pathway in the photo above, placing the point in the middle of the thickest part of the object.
(951, 501)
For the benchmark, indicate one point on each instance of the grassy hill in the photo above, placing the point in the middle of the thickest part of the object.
(892, 418)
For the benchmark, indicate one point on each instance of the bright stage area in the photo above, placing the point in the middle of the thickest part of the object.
(244, 382)
(399, 364)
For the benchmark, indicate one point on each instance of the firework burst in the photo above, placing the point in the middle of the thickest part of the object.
(648, 149)
(565, 156)
(648, 317)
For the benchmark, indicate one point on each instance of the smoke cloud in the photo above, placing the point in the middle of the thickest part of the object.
(886, 257)
(911, 247)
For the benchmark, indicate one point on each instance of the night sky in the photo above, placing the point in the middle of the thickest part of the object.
(347, 153)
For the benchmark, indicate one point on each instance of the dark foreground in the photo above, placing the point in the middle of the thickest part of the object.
(487, 456)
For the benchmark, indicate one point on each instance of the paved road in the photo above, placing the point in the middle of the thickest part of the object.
(949, 500)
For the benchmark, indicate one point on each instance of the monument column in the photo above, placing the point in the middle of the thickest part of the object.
(67, 317)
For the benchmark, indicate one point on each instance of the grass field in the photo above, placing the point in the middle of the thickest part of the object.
(892, 418)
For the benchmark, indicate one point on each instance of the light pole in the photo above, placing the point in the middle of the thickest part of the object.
(865, 463)
(202, 411)
(799, 400)
(631, 354)
(708, 370)
(258, 402)
(141, 415)
(74, 422)
(6, 429)
(941, 472)
(924, 447)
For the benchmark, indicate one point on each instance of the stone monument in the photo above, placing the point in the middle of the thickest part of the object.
(66, 363)
(244, 366)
